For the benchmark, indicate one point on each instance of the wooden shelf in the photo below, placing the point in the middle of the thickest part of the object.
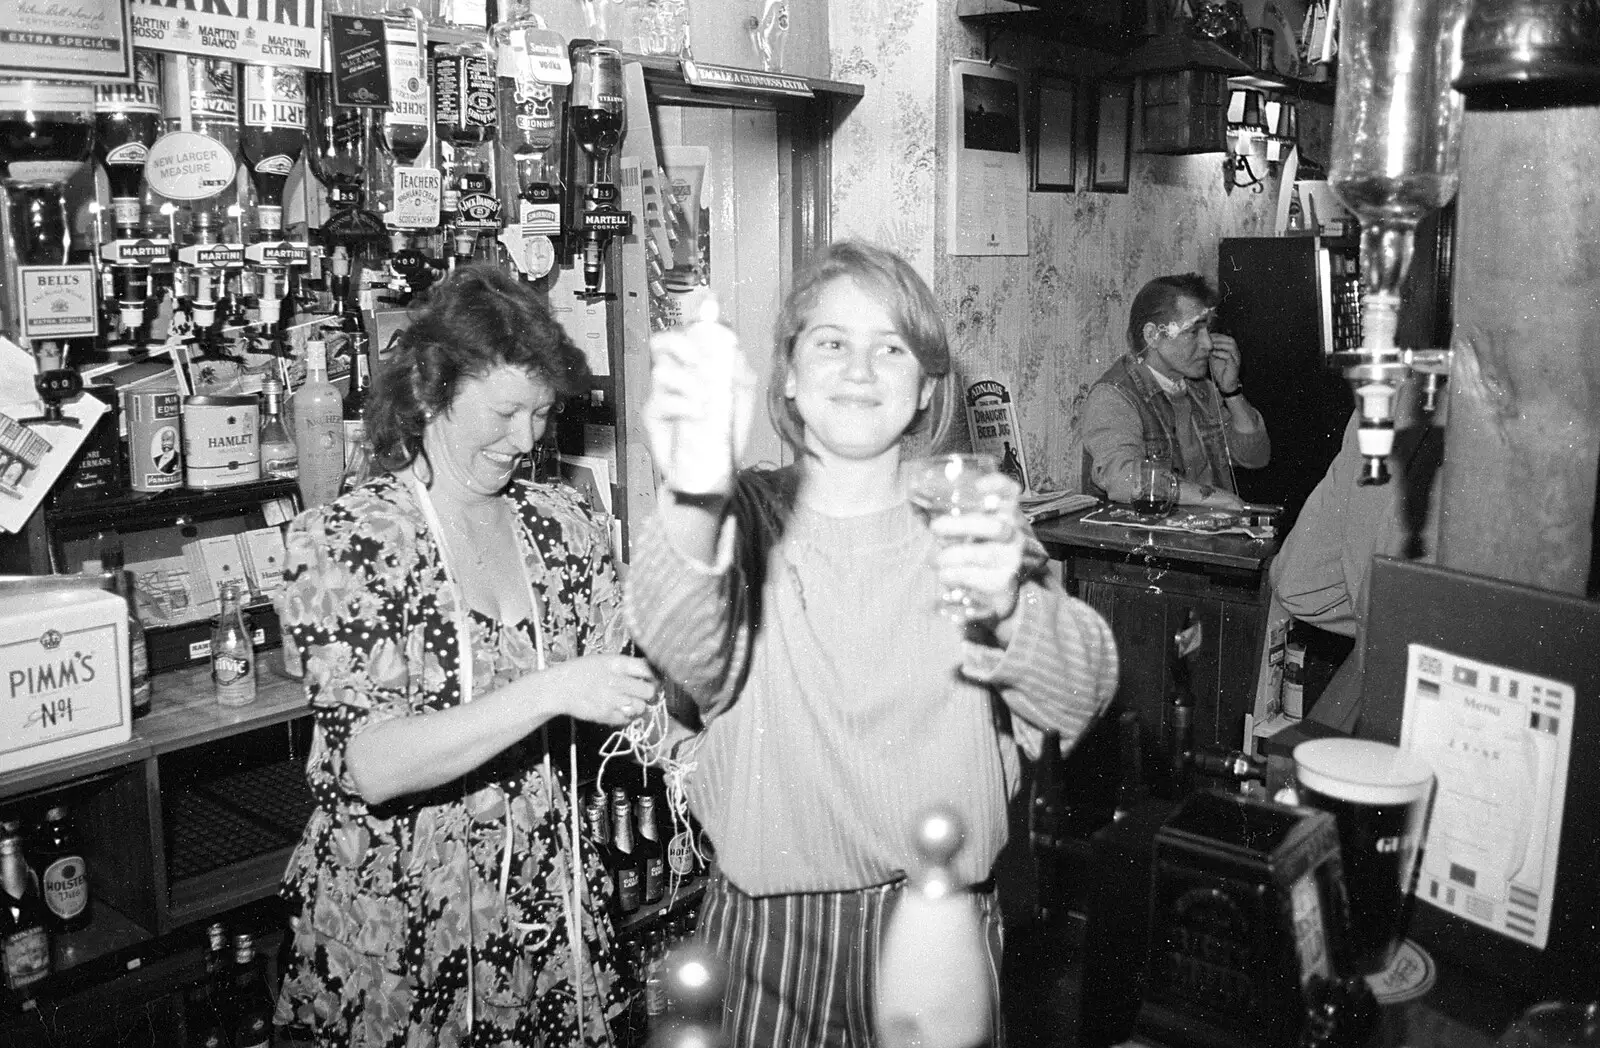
(689, 891)
(146, 508)
(1307, 90)
(197, 898)
(184, 710)
(1110, 26)
(108, 932)
(184, 713)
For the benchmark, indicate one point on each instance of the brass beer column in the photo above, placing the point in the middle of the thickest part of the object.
(1523, 440)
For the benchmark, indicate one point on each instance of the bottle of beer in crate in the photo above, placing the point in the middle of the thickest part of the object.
(63, 872)
(627, 875)
(24, 923)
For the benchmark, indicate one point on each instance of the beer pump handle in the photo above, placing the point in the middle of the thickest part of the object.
(933, 972)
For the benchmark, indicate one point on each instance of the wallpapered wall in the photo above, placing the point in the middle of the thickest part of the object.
(1048, 323)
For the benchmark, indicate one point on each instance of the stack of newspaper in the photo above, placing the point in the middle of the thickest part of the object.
(1047, 504)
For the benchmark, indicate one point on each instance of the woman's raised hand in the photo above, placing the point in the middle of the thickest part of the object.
(605, 689)
(981, 550)
(702, 398)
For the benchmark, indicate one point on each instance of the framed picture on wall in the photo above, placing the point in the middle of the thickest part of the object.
(1055, 156)
(1113, 136)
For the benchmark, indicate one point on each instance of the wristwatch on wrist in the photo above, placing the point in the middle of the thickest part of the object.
(1237, 391)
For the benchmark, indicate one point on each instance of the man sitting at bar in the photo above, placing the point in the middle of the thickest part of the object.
(1175, 393)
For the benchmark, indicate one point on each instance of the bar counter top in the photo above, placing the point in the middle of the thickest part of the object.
(1230, 551)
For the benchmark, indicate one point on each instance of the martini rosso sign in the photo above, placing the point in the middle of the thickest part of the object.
(265, 32)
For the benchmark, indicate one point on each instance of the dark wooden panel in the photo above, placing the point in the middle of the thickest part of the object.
(114, 823)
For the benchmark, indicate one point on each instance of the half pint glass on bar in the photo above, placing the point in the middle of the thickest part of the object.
(1378, 796)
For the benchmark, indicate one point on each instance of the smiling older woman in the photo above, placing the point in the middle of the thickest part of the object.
(446, 613)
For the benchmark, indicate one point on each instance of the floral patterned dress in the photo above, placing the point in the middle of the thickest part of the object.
(403, 936)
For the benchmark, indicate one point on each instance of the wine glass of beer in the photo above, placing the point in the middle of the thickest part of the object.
(1379, 797)
(948, 486)
(1157, 494)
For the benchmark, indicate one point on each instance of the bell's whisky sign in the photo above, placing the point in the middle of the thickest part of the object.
(83, 40)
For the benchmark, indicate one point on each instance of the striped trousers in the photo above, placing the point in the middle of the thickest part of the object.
(802, 969)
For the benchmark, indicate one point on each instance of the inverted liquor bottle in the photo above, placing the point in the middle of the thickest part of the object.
(195, 163)
(46, 131)
(405, 180)
(46, 135)
(342, 141)
(272, 137)
(531, 99)
(127, 122)
(466, 114)
(595, 115)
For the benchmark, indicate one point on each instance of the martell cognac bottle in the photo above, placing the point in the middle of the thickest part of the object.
(595, 114)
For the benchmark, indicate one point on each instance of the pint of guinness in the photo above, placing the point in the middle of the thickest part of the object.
(1379, 797)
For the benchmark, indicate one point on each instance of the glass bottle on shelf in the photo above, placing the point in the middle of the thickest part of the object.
(466, 113)
(127, 123)
(46, 137)
(405, 185)
(201, 103)
(111, 561)
(233, 661)
(357, 450)
(342, 142)
(63, 872)
(24, 924)
(46, 130)
(318, 430)
(627, 875)
(280, 458)
(272, 138)
(651, 855)
(531, 100)
(251, 1021)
